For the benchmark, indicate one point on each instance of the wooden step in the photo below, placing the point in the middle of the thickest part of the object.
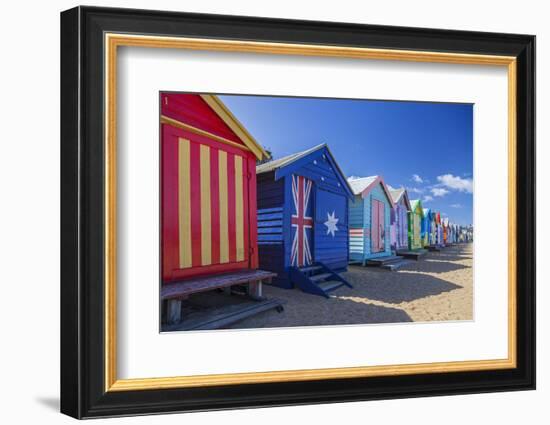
(395, 265)
(414, 254)
(330, 285)
(319, 277)
(310, 269)
(384, 260)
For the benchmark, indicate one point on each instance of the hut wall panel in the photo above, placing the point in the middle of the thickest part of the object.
(415, 221)
(401, 225)
(330, 250)
(319, 177)
(320, 171)
(393, 228)
(356, 232)
(433, 229)
(270, 197)
(376, 193)
(270, 193)
(270, 226)
(271, 258)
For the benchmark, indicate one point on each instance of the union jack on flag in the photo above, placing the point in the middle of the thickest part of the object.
(302, 222)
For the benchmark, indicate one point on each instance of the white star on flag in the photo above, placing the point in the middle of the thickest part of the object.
(331, 223)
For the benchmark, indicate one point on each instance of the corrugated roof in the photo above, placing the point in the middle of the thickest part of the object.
(281, 162)
(360, 184)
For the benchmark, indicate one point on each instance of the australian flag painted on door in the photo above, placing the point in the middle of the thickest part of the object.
(302, 213)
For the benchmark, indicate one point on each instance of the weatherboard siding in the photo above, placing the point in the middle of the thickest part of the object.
(270, 200)
(270, 193)
(356, 229)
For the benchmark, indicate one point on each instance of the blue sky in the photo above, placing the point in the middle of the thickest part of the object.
(425, 147)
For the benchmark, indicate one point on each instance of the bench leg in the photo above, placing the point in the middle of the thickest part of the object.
(174, 311)
(255, 290)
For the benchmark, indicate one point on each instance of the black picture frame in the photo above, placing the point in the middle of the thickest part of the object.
(82, 212)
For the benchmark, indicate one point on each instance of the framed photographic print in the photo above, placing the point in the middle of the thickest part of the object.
(261, 212)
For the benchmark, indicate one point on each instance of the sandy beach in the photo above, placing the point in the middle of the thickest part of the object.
(438, 287)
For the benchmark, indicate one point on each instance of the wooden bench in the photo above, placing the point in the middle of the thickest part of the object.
(175, 292)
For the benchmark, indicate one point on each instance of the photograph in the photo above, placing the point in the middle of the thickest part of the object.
(284, 211)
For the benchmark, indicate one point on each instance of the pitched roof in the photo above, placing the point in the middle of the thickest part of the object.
(358, 185)
(279, 165)
(286, 160)
(364, 185)
(396, 194)
(399, 193)
(234, 124)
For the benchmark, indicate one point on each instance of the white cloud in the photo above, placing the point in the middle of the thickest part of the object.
(417, 179)
(439, 191)
(456, 183)
(415, 190)
(456, 206)
(427, 198)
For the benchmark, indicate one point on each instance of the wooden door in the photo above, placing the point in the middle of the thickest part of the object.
(331, 228)
(382, 225)
(416, 230)
(378, 226)
(403, 227)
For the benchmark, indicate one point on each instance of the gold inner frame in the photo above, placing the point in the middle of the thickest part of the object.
(113, 41)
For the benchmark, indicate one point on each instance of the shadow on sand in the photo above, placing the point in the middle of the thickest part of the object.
(342, 308)
(452, 255)
(361, 304)
(435, 265)
(395, 288)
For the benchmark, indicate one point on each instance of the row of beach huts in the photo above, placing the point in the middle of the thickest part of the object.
(229, 223)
